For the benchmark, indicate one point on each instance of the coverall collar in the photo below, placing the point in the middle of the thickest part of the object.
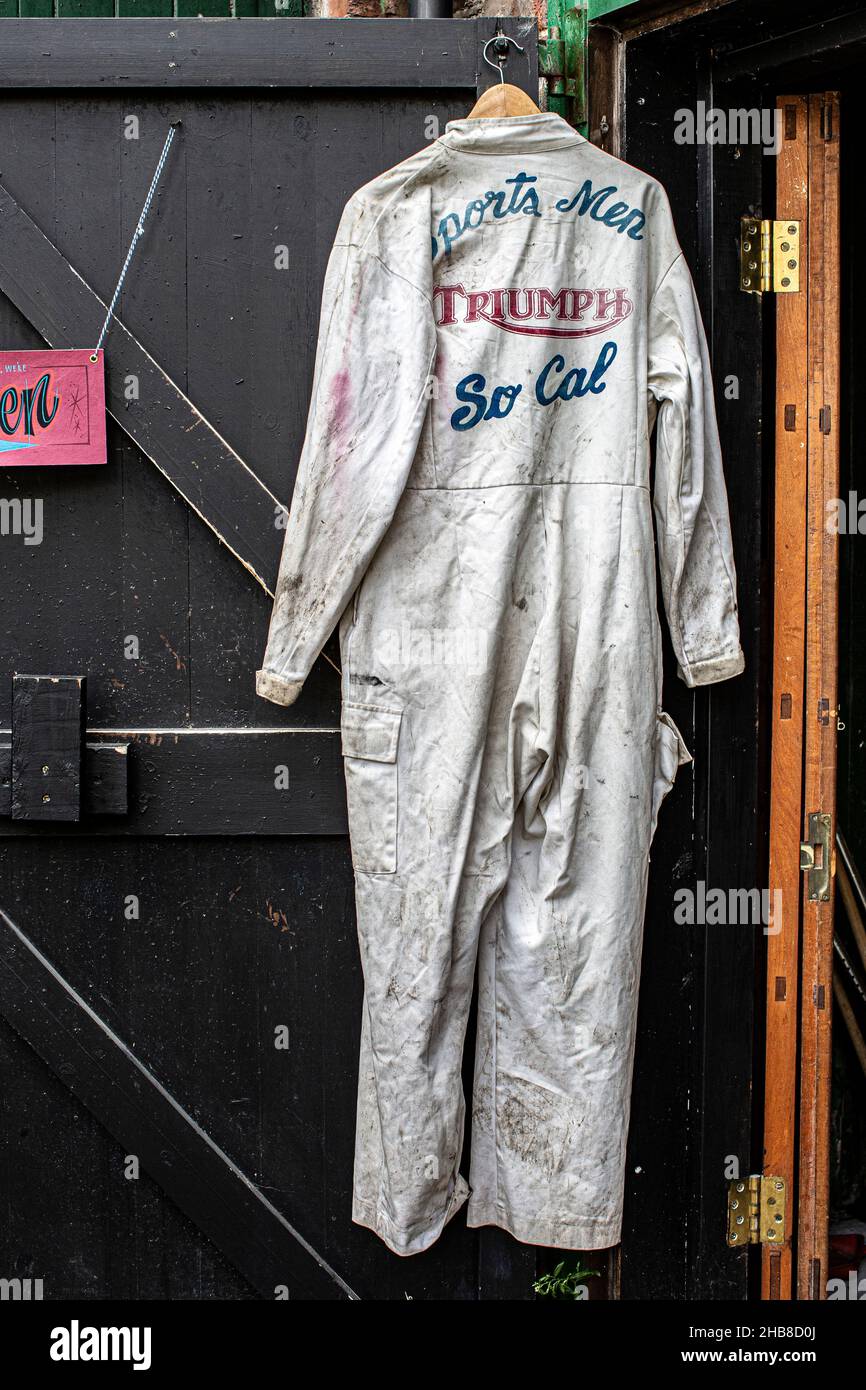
(510, 134)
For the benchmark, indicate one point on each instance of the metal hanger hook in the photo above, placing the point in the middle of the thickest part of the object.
(502, 41)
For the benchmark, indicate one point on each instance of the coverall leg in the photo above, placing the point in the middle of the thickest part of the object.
(524, 802)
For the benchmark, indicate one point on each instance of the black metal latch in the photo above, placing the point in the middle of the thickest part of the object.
(50, 772)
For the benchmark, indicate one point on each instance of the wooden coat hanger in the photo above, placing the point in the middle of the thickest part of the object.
(503, 99)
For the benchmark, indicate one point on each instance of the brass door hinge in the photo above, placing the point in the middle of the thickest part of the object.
(816, 856)
(757, 1210)
(769, 256)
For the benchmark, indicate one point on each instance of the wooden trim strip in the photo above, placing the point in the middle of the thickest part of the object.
(278, 53)
(821, 679)
(789, 644)
(205, 784)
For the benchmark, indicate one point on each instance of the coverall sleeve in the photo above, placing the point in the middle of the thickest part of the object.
(689, 501)
(376, 351)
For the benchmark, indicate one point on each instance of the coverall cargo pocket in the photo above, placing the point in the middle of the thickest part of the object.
(670, 755)
(370, 734)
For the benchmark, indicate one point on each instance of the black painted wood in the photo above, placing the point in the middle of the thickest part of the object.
(220, 950)
(732, 810)
(696, 1051)
(128, 1100)
(47, 747)
(211, 478)
(285, 53)
(654, 1255)
(833, 40)
(699, 1057)
(103, 1238)
(222, 906)
(104, 789)
(204, 782)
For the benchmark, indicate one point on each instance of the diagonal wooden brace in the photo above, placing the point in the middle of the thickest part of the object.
(163, 422)
(101, 1071)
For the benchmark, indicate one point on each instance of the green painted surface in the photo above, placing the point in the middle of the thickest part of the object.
(599, 7)
(85, 9)
(131, 9)
(208, 9)
(562, 60)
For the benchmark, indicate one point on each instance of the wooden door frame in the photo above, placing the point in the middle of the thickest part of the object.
(821, 703)
(804, 707)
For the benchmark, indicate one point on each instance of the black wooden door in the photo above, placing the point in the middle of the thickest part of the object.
(179, 983)
(693, 1096)
(699, 1062)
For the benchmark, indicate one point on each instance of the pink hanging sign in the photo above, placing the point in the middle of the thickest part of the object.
(52, 407)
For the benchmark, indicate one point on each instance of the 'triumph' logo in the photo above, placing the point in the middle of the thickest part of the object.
(542, 312)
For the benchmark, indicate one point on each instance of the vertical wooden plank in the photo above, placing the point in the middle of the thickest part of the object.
(29, 143)
(144, 8)
(77, 573)
(85, 9)
(284, 243)
(692, 1115)
(786, 720)
(156, 522)
(729, 722)
(605, 87)
(208, 9)
(653, 1263)
(225, 268)
(821, 677)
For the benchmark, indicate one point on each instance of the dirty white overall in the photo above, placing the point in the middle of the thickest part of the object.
(505, 315)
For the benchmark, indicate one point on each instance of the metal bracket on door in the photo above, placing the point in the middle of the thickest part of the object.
(49, 771)
(769, 256)
(757, 1208)
(816, 856)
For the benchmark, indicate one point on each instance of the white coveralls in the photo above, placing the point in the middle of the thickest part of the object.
(504, 316)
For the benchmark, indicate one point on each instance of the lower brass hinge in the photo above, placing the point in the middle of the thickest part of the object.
(757, 1210)
(769, 256)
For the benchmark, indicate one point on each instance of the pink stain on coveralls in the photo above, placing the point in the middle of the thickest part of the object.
(341, 393)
